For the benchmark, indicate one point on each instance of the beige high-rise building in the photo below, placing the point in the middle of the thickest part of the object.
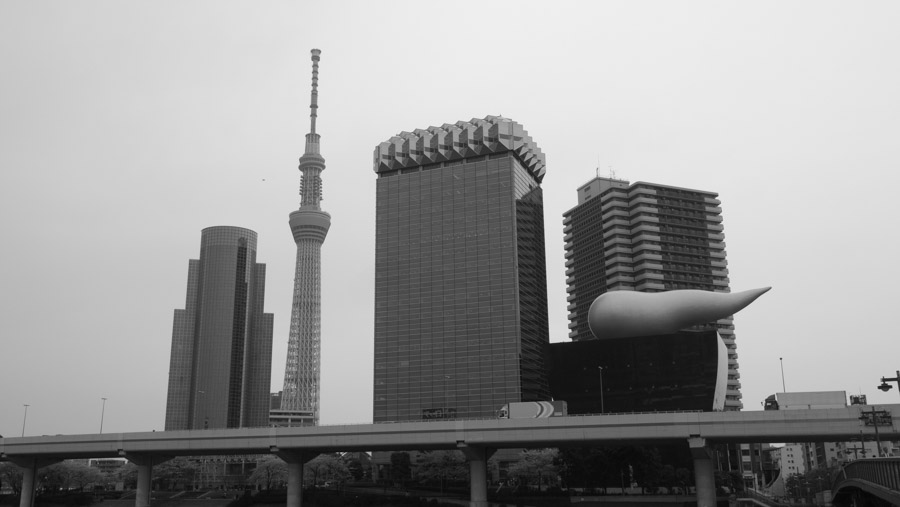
(646, 237)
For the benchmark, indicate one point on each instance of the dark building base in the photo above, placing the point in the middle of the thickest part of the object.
(679, 371)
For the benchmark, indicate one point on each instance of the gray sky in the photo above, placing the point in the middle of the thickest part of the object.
(127, 127)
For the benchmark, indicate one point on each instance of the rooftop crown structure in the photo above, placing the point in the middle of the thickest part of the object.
(309, 226)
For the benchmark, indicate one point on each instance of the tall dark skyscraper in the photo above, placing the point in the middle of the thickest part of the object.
(460, 274)
(221, 361)
(650, 238)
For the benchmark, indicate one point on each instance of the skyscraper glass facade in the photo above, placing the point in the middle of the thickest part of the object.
(460, 287)
(221, 359)
(678, 371)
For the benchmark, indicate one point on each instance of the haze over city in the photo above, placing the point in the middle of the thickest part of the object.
(126, 128)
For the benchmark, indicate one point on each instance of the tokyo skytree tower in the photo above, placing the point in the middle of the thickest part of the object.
(309, 225)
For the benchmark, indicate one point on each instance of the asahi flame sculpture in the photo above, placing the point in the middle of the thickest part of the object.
(622, 314)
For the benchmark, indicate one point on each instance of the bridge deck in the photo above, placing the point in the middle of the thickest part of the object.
(830, 425)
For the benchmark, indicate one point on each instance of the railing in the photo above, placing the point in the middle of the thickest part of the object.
(495, 417)
(755, 497)
(884, 472)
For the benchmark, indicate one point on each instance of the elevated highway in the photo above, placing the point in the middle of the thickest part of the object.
(476, 438)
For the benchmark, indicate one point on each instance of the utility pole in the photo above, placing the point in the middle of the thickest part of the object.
(102, 413)
(25, 418)
(783, 388)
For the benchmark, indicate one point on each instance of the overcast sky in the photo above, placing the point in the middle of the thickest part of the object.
(127, 127)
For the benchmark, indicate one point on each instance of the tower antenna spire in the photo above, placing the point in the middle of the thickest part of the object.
(314, 94)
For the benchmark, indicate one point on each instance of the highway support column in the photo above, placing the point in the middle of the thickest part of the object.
(295, 461)
(144, 464)
(478, 458)
(704, 477)
(29, 468)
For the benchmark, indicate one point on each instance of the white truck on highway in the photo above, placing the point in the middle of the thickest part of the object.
(806, 400)
(533, 410)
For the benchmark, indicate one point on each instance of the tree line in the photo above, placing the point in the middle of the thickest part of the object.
(592, 468)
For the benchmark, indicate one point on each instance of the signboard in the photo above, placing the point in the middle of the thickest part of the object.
(876, 418)
(438, 413)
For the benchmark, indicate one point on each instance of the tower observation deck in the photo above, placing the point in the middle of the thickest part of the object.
(309, 226)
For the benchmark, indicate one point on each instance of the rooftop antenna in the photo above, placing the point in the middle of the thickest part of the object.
(314, 96)
(612, 174)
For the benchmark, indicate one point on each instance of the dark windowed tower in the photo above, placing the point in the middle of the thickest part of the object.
(460, 273)
(649, 238)
(221, 361)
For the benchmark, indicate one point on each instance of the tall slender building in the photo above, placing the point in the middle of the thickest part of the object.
(221, 362)
(309, 225)
(460, 273)
(650, 238)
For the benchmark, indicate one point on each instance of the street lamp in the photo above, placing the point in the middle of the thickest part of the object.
(102, 413)
(24, 418)
(197, 402)
(887, 387)
(601, 389)
(783, 388)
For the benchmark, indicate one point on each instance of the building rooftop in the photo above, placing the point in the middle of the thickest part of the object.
(463, 139)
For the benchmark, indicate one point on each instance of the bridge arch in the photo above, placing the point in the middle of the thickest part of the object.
(865, 482)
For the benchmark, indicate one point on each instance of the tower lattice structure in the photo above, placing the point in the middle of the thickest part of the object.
(309, 226)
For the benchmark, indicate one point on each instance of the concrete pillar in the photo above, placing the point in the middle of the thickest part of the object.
(478, 458)
(478, 486)
(29, 468)
(295, 461)
(28, 474)
(142, 495)
(704, 476)
(295, 484)
(144, 464)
